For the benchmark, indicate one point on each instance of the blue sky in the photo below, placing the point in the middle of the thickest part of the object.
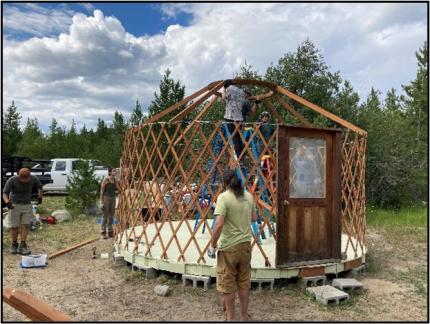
(83, 61)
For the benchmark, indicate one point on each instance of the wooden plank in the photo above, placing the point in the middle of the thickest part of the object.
(307, 230)
(300, 233)
(322, 232)
(291, 230)
(282, 182)
(32, 307)
(259, 83)
(320, 110)
(186, 110)
(263, 96)
(336, 195)
(315, 242)
(176, 105)
(58, 253)
(294, 112)
(312, 272)
(352, 264)
(272, 109)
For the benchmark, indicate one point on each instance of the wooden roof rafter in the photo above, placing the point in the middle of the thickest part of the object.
(274, 91)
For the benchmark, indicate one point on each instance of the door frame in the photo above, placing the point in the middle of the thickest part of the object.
(333, 193)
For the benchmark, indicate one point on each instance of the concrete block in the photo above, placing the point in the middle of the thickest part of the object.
(150, 273)
(328, 295)
(260, 283)
(313, 281)
(346, 284)
(195, 279)
(162, 290)
(118, 259)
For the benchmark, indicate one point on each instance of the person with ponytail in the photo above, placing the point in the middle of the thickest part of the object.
(235, 209)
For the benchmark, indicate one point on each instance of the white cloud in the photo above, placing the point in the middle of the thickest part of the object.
(95, 66)
(36, 20)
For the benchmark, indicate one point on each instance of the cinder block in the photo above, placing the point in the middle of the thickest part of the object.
(118, 258)
(328, 295)
(260, 283)
(346, 284)
(313, 281)
(150, 273)
(194, 279)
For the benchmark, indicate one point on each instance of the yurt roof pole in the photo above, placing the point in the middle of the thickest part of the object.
(294, 112)
(191, 107)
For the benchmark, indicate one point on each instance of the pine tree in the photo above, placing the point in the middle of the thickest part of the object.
(170, 93)
(82, 189)
(306, 74)
(11, 132)
(136, 116)
(33, 144)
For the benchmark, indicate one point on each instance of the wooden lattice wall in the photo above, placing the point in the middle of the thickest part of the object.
(172, 170)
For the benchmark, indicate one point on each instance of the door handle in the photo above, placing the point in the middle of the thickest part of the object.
(286, 202)
(64, 174)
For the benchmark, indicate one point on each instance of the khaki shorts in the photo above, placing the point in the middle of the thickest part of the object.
(234, 268)
(20, 214)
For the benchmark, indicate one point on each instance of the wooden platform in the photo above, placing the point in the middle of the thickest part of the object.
(190, 266)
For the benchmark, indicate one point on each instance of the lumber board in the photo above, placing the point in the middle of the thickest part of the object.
(294, 112)
(71, 248)
(33, 308)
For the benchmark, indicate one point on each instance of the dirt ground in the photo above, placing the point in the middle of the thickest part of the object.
(97, 290)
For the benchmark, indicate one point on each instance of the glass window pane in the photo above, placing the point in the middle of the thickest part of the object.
(60, 166)
(307, 168)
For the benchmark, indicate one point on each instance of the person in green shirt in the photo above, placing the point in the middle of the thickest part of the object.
(235, 209)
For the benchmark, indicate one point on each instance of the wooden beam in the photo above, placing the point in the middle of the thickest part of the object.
(33, 308)
(263, 96)
(177, 105)
(56, 254)
(295, 113)
(272, 109)
(201, 113)
(186, 110)
(259, 83)
(320, 110)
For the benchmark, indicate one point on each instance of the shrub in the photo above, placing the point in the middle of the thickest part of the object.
(82, 189)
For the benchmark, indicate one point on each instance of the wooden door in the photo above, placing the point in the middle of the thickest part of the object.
(309, 175)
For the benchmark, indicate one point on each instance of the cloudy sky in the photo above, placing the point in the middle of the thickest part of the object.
(83, 61)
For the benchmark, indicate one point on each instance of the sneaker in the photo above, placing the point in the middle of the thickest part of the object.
(110, 234)
(105, 237)
(102, 232)
(14, 248)
(23, 250)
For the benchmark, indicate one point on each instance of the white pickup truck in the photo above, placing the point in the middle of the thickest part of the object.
(62, 168)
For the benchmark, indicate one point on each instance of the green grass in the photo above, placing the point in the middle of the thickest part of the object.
(50, 204)
(414, 216)
(61, 235)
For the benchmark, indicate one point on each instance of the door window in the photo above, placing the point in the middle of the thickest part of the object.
(60, 166)
(307, 176)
